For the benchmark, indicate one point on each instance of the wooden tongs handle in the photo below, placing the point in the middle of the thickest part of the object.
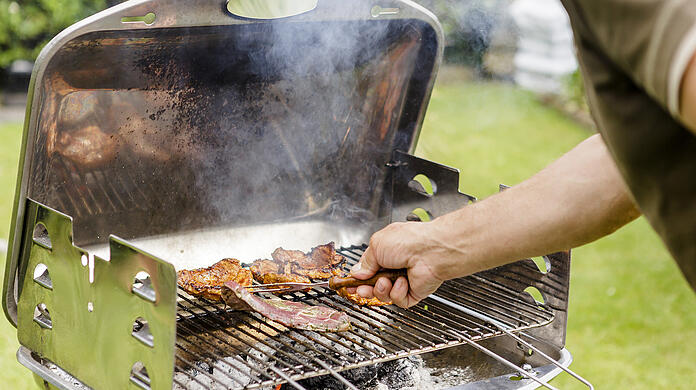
(337, 282)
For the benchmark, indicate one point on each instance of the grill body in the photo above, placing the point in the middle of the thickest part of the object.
(202, 135)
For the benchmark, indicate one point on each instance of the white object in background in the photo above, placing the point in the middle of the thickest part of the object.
(545, 52)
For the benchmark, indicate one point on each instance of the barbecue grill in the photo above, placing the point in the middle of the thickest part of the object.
(164, 135)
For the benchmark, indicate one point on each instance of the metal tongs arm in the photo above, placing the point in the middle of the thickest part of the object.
(333, 283)
(283, 287)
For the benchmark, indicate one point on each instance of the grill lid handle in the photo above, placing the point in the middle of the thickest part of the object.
(269, 9)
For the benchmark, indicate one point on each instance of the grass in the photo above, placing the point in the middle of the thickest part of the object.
(14, 375)
(632, 317)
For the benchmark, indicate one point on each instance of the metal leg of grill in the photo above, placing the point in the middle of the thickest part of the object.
(505, 329)
(509, 364)
(547, 357)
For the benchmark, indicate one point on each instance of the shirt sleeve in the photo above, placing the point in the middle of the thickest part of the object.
(652, 41)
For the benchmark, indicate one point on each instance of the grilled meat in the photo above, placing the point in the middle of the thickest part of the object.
(284, 256)
(324, 273)
(268, 271)
(320, 257)
(322, 262)
(324, 256)
(207, 282)
(291, 314)
(357, 299)
(282, 278)
(261, 267)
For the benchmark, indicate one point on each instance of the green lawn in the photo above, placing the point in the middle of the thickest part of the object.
(632, 316)
(14, 375)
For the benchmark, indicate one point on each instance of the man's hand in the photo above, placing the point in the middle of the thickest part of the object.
(401, 245)
(577, 199)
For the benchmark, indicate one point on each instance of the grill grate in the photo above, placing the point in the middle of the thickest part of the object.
(219, 349)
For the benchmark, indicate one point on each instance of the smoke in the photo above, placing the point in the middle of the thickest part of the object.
(239, 125)
(304, 117)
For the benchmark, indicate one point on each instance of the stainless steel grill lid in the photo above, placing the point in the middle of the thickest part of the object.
(204, 119)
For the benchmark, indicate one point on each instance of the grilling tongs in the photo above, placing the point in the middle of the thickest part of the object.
(333, 283)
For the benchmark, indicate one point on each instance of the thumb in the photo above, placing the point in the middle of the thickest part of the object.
(367, 266)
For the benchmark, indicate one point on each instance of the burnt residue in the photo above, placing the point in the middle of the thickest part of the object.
(238, 124)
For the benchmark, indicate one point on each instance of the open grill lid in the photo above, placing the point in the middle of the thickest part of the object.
(156, 117)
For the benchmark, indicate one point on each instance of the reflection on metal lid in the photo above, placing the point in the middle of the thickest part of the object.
(269, 9)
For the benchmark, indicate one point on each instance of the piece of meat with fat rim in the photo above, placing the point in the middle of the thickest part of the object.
(291, 314)
(207, 282)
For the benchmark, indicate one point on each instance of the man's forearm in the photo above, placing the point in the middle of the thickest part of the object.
(577, 199)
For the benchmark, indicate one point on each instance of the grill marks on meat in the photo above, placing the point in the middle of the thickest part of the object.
(291, 314)
(207, 282)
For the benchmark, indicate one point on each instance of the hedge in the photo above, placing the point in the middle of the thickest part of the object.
(27, 25)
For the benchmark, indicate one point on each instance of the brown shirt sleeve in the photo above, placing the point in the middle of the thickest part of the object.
(652, 41)
(633, 54)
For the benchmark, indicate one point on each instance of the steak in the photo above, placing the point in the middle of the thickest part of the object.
(268, 271)
(207, 282)
(291, 314)
(322, 262)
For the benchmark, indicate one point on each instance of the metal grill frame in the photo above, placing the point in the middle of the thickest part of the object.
(493, 303)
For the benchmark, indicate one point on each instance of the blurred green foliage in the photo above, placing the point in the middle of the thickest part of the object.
(27, 25)
(468, 26)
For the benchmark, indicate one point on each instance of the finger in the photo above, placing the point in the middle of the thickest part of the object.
(399, 292)
(365, 291)
(382, 289)
(367, 266)
(351, 290)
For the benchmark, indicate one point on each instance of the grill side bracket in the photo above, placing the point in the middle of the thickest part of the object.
(97, 321)
(408, 195)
